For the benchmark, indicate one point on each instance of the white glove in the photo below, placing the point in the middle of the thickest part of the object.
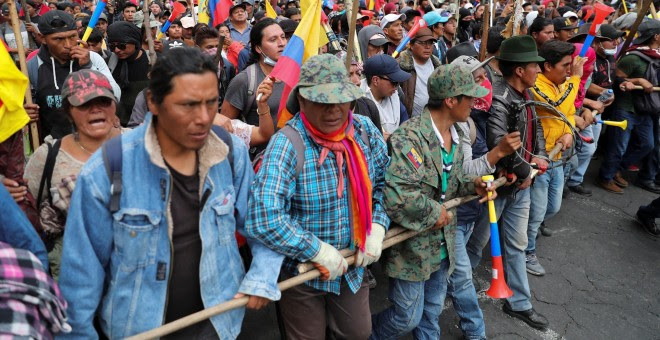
(329, 262)
(373, 247)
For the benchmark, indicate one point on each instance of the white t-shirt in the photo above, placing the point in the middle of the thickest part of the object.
(421, 91)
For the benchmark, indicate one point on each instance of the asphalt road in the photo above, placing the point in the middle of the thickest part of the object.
(602, 281)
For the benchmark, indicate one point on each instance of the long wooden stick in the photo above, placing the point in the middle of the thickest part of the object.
(655, 88)
(146, 23)
(633, 30)
(351, 34)
(307, 271)
(28, 21)
(654, 14)
(484, 32)
(16, 27)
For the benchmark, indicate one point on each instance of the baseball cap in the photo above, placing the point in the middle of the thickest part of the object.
(424, 34)
(389, 8)
(103, 16)
(82, 86)
(187, 22)
(385, 65)
(237, 5)
(570, 14)
(452, 80)
(471, 63)
(433, 17)
(391, 18)
(563, 24)
(378, 39)
(608, 31)
(646, 30)
(56, 21)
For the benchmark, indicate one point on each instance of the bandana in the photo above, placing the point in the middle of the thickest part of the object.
(484, 103)
(586, 75)
(342, 143)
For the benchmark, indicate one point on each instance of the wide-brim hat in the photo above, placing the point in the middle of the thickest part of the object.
(324, 80)
(519, 49)
(582, 33)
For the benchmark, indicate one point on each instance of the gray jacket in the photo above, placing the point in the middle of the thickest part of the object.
(503, 96)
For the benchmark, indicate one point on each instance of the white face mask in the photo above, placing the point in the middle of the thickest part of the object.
(610, 52)
(268, 60)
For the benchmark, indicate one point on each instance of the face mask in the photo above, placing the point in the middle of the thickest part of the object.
(609, 52)
(268, 60)
(211, 51)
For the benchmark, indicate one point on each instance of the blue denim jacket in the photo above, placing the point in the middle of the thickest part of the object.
(117, 266)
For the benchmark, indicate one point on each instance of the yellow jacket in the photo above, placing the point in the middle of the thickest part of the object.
(562, 97)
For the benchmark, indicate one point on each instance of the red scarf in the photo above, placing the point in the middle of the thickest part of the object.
(342, 143)
(645, 50)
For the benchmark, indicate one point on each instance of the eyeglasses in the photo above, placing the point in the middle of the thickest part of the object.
(121, 46)
(395, 84)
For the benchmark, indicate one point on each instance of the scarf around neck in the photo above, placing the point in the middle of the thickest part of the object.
(343, 144)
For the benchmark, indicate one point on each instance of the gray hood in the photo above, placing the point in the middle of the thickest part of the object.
(363, 38)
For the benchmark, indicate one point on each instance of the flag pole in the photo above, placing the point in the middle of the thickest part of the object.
(484, 32)
(150, 40)
(28, 20)
(34, 131)
(351, 34)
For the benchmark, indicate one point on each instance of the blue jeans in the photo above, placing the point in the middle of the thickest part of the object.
(513, 211)
(642, 127)
(649, 167)
(461, 289)
(585, 153)
(416, 307)
(545, 197)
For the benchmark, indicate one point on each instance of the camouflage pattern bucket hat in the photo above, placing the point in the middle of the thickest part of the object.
(323, 79)
(453, 80)
(84, 85)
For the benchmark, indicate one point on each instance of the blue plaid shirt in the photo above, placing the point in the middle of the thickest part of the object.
(293, 215)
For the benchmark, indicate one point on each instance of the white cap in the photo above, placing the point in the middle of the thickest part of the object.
(187, 22)
(570, 14)
(391, 18)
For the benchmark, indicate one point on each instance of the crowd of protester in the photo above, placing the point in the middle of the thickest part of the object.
(164, 187)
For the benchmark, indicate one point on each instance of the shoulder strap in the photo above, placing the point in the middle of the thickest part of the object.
(33, 71)
(112, 157)
(49, 166)
(252, 87)
(364, 137)
(472, 130)
(298, 145)
(226, 137)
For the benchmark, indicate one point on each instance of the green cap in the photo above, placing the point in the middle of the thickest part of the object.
(453, 80)
(323, 79)
(519, 49)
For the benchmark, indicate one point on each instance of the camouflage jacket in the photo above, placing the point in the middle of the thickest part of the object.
(412, 193)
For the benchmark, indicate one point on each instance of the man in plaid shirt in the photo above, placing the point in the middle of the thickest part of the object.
(334, 201)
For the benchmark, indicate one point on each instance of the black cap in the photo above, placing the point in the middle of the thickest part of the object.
(385, 65)
(242, 5)
(464, 48)
(647, 29)
(608, 31)
(563, 24)
(55, 22)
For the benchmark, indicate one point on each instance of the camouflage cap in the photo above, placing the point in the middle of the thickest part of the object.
(452, 80)
(84, 85)
(323, 79)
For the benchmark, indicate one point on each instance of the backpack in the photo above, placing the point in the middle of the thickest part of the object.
(646, 103)
(112, 157)
(299, 145)
(252, 88)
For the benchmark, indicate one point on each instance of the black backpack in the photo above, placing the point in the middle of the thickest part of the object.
(646, 103)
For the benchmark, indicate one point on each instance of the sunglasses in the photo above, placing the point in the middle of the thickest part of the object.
(395, 84)
(121, 46)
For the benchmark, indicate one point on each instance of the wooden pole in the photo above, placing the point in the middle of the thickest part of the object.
(28, 20)
(351, 34)
(654, 14)
(308, 272)
(16, 27)
(146, 23)
(484, 32)
(633, 30)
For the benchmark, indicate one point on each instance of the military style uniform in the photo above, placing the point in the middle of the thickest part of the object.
(412, 198)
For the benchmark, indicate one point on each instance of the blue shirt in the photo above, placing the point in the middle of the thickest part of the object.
(238, 36)
(293, 215)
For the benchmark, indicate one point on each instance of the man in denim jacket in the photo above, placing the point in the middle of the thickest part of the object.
(169, 250)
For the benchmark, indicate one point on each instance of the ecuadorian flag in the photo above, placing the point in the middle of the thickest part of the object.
(303, 44)
(218, 11)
